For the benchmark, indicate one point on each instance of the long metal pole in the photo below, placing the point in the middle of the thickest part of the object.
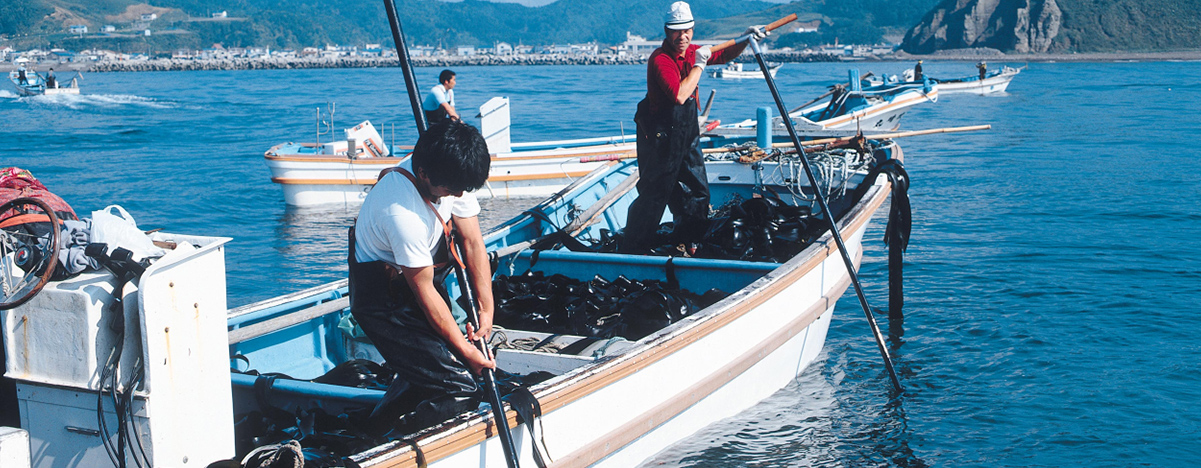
(825, 208)
(402, 52)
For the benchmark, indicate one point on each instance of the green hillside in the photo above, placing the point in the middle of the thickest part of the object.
(300, 23)
(1129, 25)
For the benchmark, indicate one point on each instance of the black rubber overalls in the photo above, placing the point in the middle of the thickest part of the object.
(432, 384)
(671, 173)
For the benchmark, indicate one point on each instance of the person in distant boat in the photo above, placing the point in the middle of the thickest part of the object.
(670, 164)
(51, 81)
(399, 255)
(22, 75)
(917, 71)
(983, 67)
(440, 103)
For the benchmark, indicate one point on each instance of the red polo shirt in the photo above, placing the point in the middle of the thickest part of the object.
(664, 72)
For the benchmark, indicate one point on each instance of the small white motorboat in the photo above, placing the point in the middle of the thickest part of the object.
(994, 82)
(735, 70)
(34, 84)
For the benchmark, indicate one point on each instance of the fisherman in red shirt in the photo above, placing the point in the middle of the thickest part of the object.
(670, 164)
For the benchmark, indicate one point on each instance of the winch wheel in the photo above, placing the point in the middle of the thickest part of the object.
(27, 257)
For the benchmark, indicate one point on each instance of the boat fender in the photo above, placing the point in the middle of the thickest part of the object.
(529, 412)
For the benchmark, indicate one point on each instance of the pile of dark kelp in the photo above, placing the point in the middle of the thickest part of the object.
(598, 308)
(761, 229)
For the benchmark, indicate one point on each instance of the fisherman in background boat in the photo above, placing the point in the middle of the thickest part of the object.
(983, 67)
(51, 81)
(440, 103)
(22, 75)
(917, 71)
(671, 167)
(399, 258)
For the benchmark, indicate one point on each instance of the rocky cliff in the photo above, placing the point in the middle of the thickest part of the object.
(1023, 26)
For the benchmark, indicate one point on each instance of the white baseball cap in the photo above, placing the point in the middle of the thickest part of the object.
(679, 16)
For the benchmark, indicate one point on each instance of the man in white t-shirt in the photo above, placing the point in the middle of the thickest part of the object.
(398, 263)
(439, 104)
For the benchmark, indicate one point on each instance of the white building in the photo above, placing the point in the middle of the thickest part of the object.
(149, 16)
(220, 14)
(637, 45)
(464, 51)
(504, 48)
(78, 29)
(108, 28)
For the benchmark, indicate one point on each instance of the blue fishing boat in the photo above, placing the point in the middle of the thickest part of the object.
(613, 393)
(852, 107)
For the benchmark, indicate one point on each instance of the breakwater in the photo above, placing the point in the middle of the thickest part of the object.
(276, 63)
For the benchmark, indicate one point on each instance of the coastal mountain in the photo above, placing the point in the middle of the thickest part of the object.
(299, 23)
(1040, 26)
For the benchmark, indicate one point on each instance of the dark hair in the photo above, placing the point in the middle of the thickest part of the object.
(453, 155)
(445, 76)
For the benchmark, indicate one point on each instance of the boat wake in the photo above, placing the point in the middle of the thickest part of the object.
(86, 101)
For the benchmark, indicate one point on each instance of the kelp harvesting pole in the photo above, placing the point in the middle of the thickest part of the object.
(402, 52)
(491, 391)
(825, 208)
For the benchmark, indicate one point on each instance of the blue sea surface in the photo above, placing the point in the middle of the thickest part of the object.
(1051, 281)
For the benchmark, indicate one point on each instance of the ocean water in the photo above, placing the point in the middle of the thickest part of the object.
(1051, 280)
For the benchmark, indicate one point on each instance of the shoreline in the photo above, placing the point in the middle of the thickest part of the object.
(279, 63)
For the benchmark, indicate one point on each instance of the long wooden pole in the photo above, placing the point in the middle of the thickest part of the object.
(774, 24)
(823, 141)
(402, 52)
(932, 131)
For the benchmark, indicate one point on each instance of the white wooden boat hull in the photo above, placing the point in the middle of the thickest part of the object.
(312, 180)
(739, 74)
(992, 84)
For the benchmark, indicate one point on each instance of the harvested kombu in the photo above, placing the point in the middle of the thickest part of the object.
(626, 308)
(761, 229)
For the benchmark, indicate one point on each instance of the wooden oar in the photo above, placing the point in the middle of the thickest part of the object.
(827, 214)
(493, 393)
(775, 24)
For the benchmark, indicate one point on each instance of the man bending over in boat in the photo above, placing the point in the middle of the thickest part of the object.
(399, 257)
(440, 103)
(671, 167)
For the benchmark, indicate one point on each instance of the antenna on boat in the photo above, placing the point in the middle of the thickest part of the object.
(402, 52)
(821, 200)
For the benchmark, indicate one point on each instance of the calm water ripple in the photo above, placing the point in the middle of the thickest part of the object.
(1051, 283)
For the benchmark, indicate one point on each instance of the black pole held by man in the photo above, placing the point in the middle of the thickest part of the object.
(821, 200)
(406, 68)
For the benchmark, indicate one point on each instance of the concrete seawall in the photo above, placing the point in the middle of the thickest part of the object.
(370, 62)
